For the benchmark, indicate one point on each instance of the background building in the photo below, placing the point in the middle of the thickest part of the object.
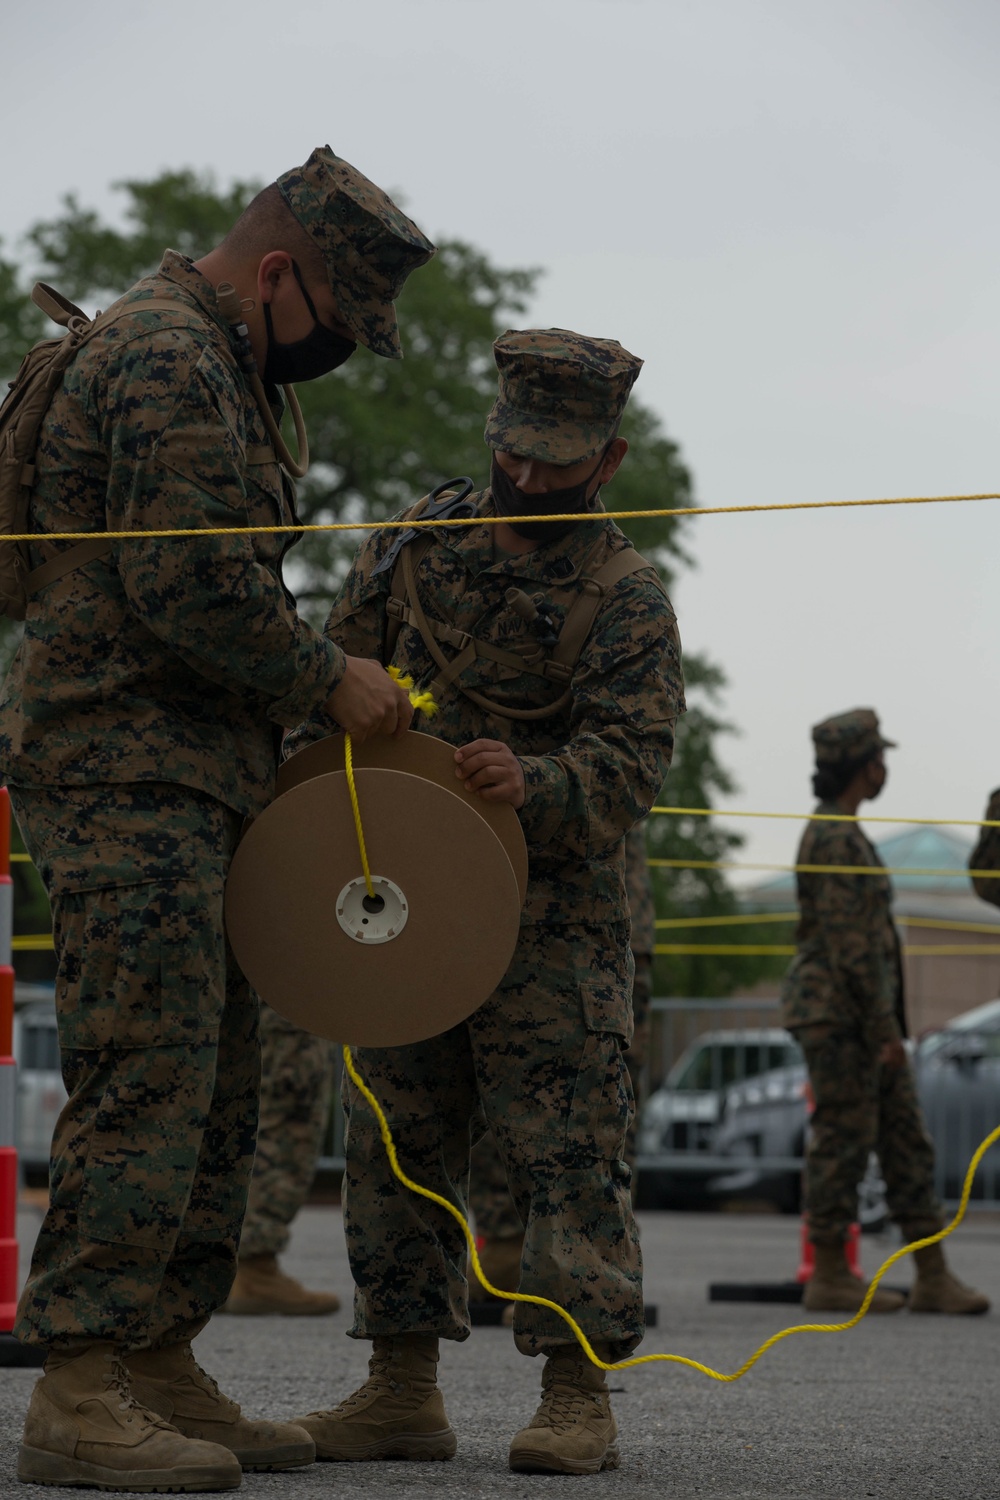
(947, 971)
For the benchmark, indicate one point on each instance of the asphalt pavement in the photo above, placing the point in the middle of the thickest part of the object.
(903, 1406)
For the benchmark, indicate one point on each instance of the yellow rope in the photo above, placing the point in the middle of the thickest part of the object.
(645, 1359)
(423, 703)
(727, 921)
(817, 817)
(751, 918)
(722, 864)
(782, 950)
(356, 809)
(586, 515)
(947, 925)
(38, 941)
(724, 950)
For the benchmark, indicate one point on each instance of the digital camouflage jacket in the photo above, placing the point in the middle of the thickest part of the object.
(639, 892)
(846, 971)
(172, 660)
(593, 769)
(986, 854)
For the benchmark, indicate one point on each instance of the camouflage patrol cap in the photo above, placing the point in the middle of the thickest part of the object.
(847, 737)
(561, 395)
(369, 245)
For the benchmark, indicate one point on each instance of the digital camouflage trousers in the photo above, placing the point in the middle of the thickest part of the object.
(152, 1153)
(541, 1064)
(860, 1107)
(493, 1208)
(296, 1081)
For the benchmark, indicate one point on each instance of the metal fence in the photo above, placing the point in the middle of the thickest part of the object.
(723, 1043)
(713, 1045)
(757, 1133)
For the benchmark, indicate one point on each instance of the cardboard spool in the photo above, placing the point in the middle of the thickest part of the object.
(419, 755)
(420, 958)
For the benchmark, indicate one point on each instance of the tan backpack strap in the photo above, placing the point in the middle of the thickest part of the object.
(448, 670)
(396, 603)
(583, 611)
(467, 651)
(54, 305)
(404, 605)
(65, 562)
(61, 310)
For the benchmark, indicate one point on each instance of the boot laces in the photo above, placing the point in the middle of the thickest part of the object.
(203, 1377)
(117, 1382)
(564, 1406)
(378, 1383)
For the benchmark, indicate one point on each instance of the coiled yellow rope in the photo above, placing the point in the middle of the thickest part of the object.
(647, 1359)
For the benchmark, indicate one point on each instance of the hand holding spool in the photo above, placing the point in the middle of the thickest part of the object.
(449, 870)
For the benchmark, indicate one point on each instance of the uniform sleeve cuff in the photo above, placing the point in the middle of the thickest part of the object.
(545, 791)
(314, 686)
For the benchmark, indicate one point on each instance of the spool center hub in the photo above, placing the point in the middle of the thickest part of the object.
(372, 919)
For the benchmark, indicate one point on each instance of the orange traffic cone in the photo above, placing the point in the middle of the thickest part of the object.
(807, 1263)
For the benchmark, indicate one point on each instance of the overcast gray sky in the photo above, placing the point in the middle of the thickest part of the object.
(788, 208)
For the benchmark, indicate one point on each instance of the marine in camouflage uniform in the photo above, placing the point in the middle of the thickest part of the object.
(496, 1218)
(542, 1062)
(986, 854)
(843, 1000)
(141, 723)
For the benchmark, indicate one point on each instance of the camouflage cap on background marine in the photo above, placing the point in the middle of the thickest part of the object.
(369, 245)
(847, 737)
(561, 395)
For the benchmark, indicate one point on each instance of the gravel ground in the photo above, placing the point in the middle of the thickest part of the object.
(903, 1406)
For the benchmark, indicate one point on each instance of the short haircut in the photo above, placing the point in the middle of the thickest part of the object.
(266, 224)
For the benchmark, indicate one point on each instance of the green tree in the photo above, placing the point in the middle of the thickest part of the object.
(21, 323)
(383, 433)
(697, 778)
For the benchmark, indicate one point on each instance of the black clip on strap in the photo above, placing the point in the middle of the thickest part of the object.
(436, 509)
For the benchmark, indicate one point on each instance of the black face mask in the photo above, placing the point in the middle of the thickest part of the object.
(319, 352)
(510, 501)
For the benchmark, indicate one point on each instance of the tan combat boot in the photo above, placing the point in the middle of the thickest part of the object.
(261, 1286)
(170, 1382)
(397, 1413)
(936, 1289)
(833, 1287)
(574, 1430)
(85, 1428)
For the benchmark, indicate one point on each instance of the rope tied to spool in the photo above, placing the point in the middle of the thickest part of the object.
(422, 703)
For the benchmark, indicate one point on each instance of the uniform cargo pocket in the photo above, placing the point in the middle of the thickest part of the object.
(607, 1007)
(140, 965)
